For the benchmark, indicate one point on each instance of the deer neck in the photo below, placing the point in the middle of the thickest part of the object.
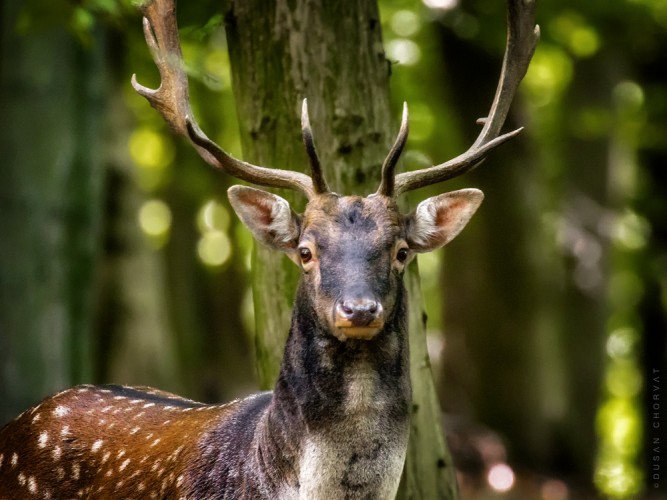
(340, 409)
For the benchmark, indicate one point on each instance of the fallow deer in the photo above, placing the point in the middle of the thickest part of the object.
(336, 424)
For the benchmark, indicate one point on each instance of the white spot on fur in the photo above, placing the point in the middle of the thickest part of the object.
(21, 478)
(56, 453)
(36, 418)
(2, 458)
(120, 454)
(64, 432)
(123, 465)
(76, 471)
(32, 485)
(15, 460)
(155, 442)
(148, 405)
(106, 456)
(61, 411)
(135, 430)
(96, 445)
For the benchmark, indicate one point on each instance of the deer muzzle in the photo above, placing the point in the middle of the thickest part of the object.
(359, 318)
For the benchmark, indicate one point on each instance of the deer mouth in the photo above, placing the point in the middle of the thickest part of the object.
(347, 331)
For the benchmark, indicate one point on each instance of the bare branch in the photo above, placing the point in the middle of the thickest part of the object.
(522, 37)
(171, 99)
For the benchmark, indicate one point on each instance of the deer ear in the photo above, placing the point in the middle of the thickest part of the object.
(436, 221)
(269, 217)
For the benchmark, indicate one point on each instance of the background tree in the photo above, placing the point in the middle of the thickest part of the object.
(53, 93)
(331, 54)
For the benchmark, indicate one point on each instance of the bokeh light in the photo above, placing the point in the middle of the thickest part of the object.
(155, 221)
(403, 51)
(500, 477)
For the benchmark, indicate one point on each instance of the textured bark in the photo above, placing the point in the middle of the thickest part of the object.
(331, 53)
(51, 103)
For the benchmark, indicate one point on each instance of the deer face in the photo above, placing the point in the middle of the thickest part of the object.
(352, 250)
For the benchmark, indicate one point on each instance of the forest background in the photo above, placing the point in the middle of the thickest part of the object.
(120, 260)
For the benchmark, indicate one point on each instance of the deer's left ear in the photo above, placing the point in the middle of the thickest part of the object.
(269, 217)
(436, 221)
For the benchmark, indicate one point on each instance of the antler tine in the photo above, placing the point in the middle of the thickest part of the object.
(172, 101)
(522, 37)
(316, 174)
(389, 166)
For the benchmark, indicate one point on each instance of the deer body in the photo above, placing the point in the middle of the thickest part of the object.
(336, 424)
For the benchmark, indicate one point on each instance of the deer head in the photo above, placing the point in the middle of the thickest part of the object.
(367, 239)
(353, 250)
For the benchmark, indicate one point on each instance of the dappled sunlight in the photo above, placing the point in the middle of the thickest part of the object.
(403, 51)
(548, 76)
(572, 31)
(500, 478)
(155, 221)
(405, 23)
(441, 4)
(214, 247)
(152, 153)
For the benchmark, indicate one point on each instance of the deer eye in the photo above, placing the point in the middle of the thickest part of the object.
(402, 255)
(305, 254)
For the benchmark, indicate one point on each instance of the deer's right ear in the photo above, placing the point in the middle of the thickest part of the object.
(269, 217)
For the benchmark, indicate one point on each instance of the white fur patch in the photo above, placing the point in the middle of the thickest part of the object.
(281, 222)
(323, 464)
(425, 227)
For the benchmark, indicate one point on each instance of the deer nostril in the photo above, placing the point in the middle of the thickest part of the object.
(347, 308)
(359, 312)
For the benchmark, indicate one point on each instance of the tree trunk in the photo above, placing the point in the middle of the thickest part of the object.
(51, 102)
(331, 53)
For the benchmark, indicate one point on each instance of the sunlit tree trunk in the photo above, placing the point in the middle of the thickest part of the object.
(52, 108)
(331, 53)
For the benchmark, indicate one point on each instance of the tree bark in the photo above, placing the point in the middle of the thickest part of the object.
(331, 53)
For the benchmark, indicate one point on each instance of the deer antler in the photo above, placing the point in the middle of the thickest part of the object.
(172, 101)
(522, 37)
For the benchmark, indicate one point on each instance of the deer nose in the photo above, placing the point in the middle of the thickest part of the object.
(358, 313)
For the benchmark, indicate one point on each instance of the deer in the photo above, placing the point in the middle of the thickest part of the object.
(336, 423)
